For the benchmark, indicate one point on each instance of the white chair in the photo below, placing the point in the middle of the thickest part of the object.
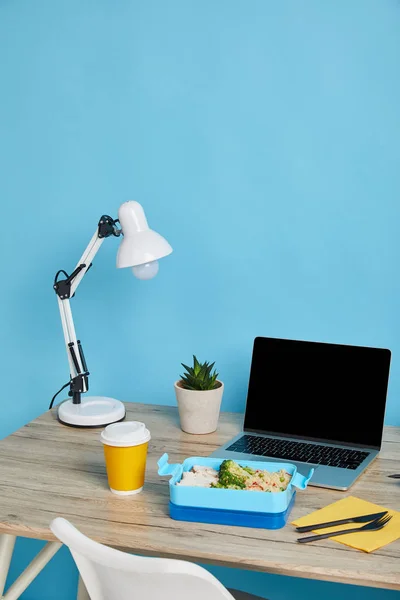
(109, 574)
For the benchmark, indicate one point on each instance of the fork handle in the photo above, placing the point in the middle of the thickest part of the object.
(324, 536)
(307, 528)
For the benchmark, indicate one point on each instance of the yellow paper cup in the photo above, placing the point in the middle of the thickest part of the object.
(125, 452)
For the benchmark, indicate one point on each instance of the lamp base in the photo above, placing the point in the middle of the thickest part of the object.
(93, 411)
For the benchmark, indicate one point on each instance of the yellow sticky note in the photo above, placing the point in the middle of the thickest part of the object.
(368, 541)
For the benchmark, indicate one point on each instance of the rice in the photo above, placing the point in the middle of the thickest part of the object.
(264, 481)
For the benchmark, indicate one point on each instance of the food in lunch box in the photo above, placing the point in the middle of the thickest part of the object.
(199, 477)
(232, 476)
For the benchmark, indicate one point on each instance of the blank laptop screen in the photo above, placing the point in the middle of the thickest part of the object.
(318, 391)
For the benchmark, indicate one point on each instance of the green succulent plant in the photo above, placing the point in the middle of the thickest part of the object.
(199, 377)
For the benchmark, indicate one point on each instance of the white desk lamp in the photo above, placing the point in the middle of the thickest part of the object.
(140, 249)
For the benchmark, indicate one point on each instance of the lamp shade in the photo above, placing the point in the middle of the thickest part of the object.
(140, 244)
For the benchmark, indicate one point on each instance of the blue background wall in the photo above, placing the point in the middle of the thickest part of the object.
(263, 140)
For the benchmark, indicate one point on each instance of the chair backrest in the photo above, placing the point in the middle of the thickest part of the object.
(110, 574)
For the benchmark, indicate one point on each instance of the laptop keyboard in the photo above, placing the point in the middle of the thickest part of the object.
(289, 450)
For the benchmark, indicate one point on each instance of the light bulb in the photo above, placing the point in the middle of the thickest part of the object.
(146, 271)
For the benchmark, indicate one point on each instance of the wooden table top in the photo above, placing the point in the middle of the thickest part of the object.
(49, 470)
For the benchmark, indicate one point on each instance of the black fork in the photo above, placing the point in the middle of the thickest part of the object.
(373, 526)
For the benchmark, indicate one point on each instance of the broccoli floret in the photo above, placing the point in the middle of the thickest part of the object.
(249, 470)
(232, 476)
(225, 487)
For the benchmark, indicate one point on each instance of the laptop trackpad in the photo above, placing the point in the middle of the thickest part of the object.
(304, 469)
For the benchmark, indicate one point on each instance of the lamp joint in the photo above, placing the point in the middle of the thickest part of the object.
(62, 287)
(107, 227)
(78, 386)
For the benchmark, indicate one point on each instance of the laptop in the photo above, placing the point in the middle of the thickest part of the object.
(315, 405)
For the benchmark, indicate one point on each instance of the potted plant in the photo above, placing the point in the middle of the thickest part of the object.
(199, 395)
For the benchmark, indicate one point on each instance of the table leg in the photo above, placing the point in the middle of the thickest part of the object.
(82, 591)
(32, 570)
(7, 543)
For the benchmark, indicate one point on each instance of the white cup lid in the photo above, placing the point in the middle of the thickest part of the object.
(128, 433)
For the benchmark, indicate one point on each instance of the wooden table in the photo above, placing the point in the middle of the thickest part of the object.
(49, 470)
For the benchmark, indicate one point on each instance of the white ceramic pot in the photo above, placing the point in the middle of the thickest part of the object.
(198, 410)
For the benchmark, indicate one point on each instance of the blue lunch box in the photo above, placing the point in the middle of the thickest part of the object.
(231, 507)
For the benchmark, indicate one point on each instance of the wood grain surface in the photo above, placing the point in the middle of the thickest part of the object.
(49, 470)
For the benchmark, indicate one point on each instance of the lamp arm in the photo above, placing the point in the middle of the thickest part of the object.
(65, 289)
